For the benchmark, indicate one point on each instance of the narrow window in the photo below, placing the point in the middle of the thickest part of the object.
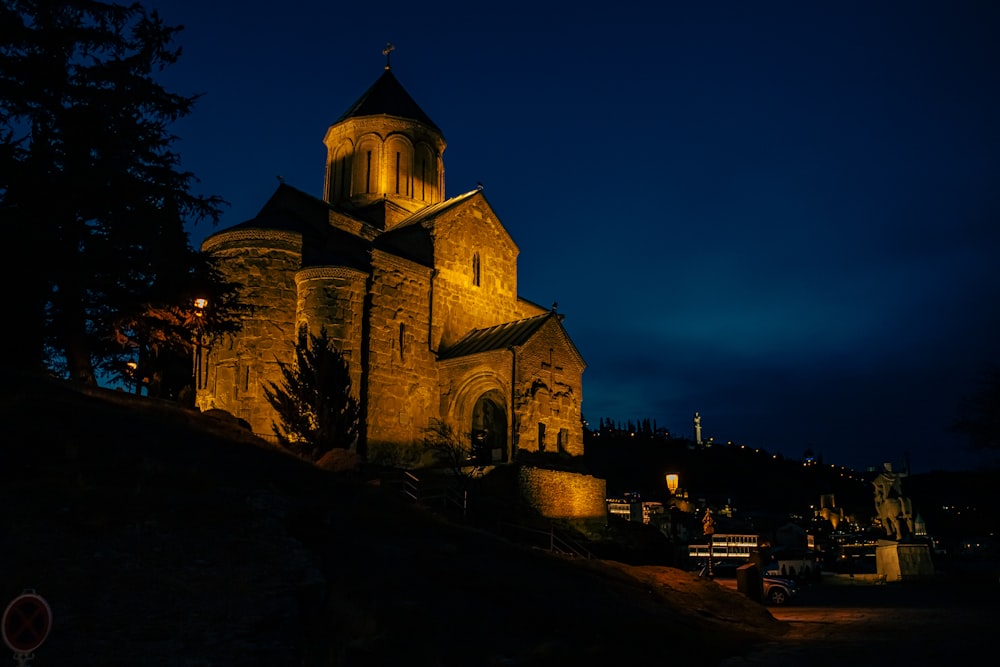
(475, 269)
(541, 437)
(343, 177)
(246, 379)
(423, 179)
(397, 172)
(402, 332)
(368, 174)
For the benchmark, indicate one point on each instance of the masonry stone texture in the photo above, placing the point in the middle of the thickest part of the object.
(418, 291)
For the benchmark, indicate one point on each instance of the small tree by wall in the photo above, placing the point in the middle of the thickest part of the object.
(447, 448)
(316, 409)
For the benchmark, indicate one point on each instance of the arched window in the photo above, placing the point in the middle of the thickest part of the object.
(340, 173)
(400, 156)
(425, 174)
(366, 167)
(476, 268)
(368, 172)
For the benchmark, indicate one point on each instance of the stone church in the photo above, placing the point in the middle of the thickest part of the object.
(416, 289)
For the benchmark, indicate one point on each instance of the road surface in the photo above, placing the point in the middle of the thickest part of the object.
(935, 622)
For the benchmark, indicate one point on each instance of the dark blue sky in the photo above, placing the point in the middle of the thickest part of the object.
(782, 215)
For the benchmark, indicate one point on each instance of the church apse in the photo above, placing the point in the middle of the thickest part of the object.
(237, 366)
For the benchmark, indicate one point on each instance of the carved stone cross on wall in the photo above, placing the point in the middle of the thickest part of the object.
(552, 368)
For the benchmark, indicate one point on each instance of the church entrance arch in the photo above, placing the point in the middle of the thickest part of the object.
(489, 429)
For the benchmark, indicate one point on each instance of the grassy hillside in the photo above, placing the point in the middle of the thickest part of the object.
(162, 536)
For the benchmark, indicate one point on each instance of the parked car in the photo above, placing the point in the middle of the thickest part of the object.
(777, 590)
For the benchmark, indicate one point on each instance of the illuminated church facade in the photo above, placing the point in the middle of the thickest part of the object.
(417, 290)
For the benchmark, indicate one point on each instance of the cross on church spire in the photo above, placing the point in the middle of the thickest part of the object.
(389, 48)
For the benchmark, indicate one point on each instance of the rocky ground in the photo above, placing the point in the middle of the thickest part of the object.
(164, 537)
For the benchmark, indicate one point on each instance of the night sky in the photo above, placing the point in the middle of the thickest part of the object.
(782, 215)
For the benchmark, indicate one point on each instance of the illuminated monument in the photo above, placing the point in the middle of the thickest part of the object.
(419, 292)
(898, 556)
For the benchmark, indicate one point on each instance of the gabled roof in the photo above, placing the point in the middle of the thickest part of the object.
(429, 212)
(410, 238)
(387, 97)
(499, 337)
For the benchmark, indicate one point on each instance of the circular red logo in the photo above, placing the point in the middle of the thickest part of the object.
(26, 623)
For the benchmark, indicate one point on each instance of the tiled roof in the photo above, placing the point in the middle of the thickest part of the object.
(387, 97)
(500, 337)
(291, 209)
(276, 220)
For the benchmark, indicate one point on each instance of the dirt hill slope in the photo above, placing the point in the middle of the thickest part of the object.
(163, 537)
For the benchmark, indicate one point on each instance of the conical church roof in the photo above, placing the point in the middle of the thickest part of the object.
(388, 97)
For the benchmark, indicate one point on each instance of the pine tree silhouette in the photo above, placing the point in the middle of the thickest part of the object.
(315, 406)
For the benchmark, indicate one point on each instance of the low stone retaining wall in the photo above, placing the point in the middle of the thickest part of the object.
(558, 494)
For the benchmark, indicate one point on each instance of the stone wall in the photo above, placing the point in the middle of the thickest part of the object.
(238, 367)
(898, 561)
(558, 494)
(460, 305)
(334, 297)
(382, 324)
(402, 382)
(549, 393)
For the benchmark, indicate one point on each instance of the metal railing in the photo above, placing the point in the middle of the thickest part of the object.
(437, 493)
(448, 494)
(547, 539)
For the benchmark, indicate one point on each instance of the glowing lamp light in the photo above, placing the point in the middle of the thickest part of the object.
(672, 480)
(199, 305)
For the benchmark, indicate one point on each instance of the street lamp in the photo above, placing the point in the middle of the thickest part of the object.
(133, 380)
(672, 482)
(200, 304)
(708, 528)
